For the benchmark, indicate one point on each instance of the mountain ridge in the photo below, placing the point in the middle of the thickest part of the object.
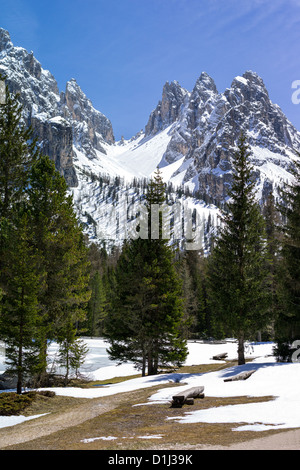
(191, 135)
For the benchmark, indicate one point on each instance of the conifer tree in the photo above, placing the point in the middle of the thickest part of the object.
(96, 309)
(20, 277)
(238, 278)
(288, 323)
(58, 237)
(17, 152)
(20, 304)
(72, 350)
(273, 235)
(43, 255)
(145, 324)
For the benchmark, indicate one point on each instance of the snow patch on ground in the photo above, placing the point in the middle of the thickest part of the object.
(272, 379)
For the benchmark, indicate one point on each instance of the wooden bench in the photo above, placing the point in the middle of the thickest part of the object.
(220, 357)
(187, 397)
(241, 376)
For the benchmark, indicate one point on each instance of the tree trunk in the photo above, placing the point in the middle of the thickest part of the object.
(259, 336)
(155, 361)
(241, 350)
(43, 354)
(144, 365)
(150, 363)
(20, 355)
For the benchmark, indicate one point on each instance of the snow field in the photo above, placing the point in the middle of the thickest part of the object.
(280, 380)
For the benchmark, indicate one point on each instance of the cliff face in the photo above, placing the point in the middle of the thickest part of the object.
(168, 109)
(60, 121)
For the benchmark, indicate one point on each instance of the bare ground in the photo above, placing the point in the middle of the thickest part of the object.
(71, 421)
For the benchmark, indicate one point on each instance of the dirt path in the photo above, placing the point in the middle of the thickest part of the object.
(54, 422)
(286, 440)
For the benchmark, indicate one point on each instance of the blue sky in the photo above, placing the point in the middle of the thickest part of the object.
(121, 52)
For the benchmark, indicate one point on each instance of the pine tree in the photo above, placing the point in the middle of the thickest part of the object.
(288, 323)
(43, 255)
(20, 278)
(17, 152)
(20, 304)
(273, 222)
(145, 324)
(196, 292)
(96, 310)
(58, 237)
(238, 278)
(72, 350)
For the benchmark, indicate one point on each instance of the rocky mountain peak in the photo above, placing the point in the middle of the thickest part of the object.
(5, 41)
(254, 79)
(79, 108)
(248, 87)
(60, 121)
(168, 109)
(205, 82)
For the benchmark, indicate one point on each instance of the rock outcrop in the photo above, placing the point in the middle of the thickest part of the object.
(60, 121)
(168, 109)
(207, 127)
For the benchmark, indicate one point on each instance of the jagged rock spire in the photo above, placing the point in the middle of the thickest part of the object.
(5, 41)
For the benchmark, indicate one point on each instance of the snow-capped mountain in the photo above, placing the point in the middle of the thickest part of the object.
(62, 121)
(190, 135)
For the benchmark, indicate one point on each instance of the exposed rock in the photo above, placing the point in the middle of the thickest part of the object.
(168, 109)
(207, 127)
(56, 140)
(61, 121)
(78, 109)
(5, 41)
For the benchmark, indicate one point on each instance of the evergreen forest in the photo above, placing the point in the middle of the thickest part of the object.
(148, 297)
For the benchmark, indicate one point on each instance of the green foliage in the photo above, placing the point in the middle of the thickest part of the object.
(238, 276)
(20, 304)
(284, 349)
(17, 150)
(290, 255)
(96, 310)
(192, 268)
(72, 351)
(58, 237)
(44, 268)
(13, 404)
(145, 323)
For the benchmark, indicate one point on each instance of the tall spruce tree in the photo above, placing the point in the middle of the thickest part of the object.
(18, 320)
(59, 238)
(43, 255)
(20, 278)
(238, 278)
(145, 324)
(288, 323)
(17, 152)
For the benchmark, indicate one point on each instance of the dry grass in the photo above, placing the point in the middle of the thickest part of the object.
(127, 423)
(54, 404)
